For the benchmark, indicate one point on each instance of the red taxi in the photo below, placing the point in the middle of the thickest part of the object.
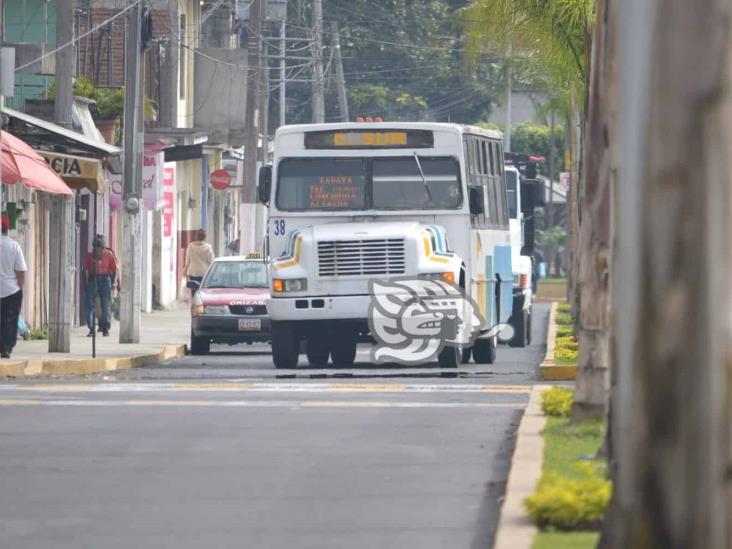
(230, 305)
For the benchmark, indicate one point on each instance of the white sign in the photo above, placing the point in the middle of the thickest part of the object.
(564, 180)
(152, 179)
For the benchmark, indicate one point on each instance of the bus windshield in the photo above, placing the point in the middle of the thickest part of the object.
(393, 183)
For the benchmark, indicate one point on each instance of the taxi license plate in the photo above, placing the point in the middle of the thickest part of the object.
(250, 324)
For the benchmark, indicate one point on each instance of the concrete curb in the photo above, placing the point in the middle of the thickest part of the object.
(548, 370)
(515, 528)
(85, 366)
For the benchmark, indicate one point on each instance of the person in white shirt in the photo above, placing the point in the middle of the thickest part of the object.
(12, 278)
(199, 255)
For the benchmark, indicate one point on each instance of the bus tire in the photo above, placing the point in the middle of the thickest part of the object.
(520, 321)
(200, 345)
(285, 346)
(450, 357)
(484, 350)
(317, 350)
(467, 353)
(343, 352)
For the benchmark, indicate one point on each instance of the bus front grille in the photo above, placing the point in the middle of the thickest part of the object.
(361, 257)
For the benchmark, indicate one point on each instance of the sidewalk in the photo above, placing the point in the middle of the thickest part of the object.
(163, 335)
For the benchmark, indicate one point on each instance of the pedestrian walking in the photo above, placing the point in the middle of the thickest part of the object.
(12, 278)
(101, 269)
(199, 255)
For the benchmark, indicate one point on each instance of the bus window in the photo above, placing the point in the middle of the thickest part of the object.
(487, 159)
(398, 184)
(321, 184)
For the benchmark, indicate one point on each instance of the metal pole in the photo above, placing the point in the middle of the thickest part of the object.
(340, 78)
(318, 77)
(550, 205)
(283, 73)
(247, 224)
(61, 242)
(507, 131)
(130, 296)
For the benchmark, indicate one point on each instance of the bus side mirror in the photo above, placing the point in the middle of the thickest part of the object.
(475, 199)
(264, 185)
(529, 196)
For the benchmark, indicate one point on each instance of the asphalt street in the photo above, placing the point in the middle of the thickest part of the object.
(224, 451)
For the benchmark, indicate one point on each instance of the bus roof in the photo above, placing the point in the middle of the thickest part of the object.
(375, 126)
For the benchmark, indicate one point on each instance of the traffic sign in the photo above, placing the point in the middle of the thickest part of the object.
(220, 179)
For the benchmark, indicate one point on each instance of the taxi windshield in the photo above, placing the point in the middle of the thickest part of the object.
(236, 274)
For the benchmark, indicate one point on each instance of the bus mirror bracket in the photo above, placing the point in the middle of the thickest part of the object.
(264, 184)
(475, 198)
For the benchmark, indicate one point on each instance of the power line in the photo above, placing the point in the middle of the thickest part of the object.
(78, 38)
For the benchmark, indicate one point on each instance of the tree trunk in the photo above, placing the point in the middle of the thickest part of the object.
(594, 233)
(672, 287)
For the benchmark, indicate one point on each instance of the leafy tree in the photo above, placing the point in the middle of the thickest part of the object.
(403, 60)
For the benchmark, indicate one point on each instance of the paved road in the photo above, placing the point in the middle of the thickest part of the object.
(222, 452)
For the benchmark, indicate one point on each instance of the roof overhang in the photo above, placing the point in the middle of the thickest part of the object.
(40, 134)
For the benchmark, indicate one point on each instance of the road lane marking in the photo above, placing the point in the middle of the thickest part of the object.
(252, 404)
(266, 388)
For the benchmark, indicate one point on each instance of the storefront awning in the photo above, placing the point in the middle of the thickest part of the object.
(76, 171)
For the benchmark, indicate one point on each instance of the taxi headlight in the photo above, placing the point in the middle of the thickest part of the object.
(217, 310)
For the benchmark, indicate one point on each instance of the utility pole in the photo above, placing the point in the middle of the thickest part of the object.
(509, 77)
(247, 240)
(550, 205)
(340, 79)
(131, 291)
(283, 72)
(318, 76)
(61, 241)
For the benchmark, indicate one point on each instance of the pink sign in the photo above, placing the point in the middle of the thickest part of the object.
(168, 200)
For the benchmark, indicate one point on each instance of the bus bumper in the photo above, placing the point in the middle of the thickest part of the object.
(318, 307)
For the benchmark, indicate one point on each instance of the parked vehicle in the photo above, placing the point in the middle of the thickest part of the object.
(522, 193)
(230, 306)
(356, 202)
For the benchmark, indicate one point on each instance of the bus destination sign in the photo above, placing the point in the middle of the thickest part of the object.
(369, 139)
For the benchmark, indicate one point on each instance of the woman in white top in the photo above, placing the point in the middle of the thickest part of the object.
(199, 255)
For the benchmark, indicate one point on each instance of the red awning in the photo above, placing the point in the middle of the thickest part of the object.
(21, 163)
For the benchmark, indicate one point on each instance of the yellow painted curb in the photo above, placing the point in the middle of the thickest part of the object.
(552, 372)
(86, 366)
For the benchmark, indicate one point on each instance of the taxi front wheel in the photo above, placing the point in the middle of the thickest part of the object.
(200, 345)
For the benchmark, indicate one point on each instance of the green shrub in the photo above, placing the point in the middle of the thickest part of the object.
(565, 331)
(565, 355)
(39, 333)
(567, 342)
(564, 308)
(557, 401)
(564, 319)
(570, 504)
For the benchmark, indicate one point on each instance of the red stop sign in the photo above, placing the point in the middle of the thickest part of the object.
(220, 179)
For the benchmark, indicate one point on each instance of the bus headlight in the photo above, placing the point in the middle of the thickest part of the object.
(447, 276)
(280, 285)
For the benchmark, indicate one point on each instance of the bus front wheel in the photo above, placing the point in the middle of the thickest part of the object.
(317, 350)
(285, 346)
(484, 350)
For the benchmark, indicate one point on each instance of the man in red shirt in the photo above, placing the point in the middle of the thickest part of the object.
(100, 266)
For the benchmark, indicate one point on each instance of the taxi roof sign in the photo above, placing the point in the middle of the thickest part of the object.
(254, 255)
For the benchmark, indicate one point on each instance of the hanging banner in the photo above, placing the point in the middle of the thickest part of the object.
(168, 199)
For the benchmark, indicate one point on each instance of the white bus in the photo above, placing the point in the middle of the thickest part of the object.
(354, 202)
